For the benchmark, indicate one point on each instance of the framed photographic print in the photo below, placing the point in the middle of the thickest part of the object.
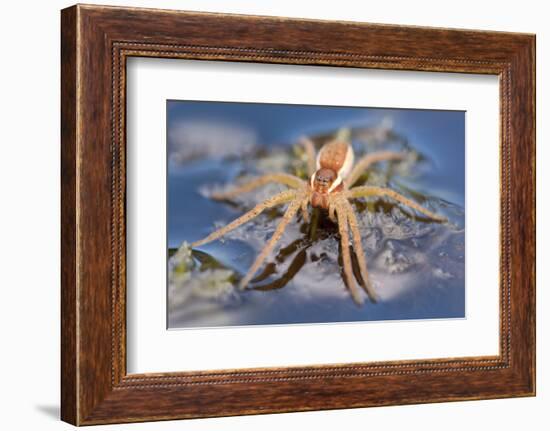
(263, 214)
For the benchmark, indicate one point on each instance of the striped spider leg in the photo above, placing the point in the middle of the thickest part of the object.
(297, 198)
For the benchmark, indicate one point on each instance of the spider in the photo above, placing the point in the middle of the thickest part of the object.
(332, 176)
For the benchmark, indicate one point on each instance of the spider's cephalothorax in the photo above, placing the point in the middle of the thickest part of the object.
(332, 175)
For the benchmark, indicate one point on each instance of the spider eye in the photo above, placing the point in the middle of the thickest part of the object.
(324, 176)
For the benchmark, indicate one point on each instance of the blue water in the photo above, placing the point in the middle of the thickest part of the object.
(417, 266)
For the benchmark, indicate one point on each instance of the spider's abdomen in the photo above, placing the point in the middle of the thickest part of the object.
(336, 156)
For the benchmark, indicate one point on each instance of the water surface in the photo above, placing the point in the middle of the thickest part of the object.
(416, 265)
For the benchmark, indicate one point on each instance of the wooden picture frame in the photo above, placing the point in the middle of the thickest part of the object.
(96, 41)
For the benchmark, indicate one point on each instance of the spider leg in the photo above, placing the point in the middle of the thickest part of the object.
(310, 155)
(303, 208)
(346, 256)
(332, 212)
(291, 211)
(363, 164)
(361, 258)
(365, 191)
(278, 199)
(280, 178)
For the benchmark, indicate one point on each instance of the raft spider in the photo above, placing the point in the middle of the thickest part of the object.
(332, 176)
